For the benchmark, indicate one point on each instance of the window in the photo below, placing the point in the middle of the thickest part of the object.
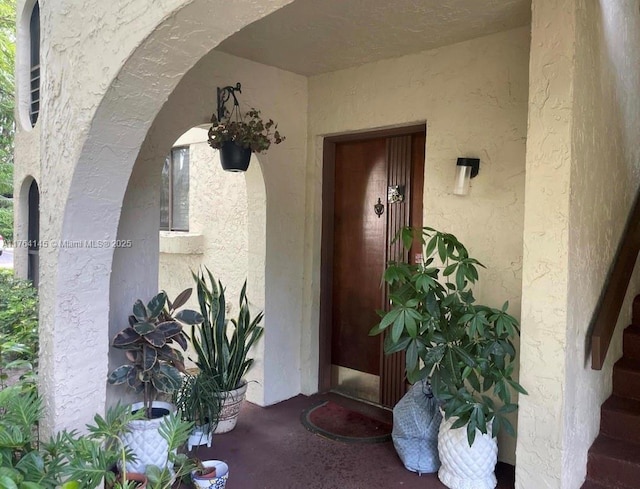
(34, 33)
(174, 196)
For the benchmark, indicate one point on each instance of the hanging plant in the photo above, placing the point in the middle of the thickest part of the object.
(249, 131)
(237, 136)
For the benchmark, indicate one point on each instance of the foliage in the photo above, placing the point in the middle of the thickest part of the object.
(7, 123)
(222, 346)
(90, 459)
(7, 86)
(24, 464)
(18, 325)
(175, 431)
(149, 344)
(82, 461)
(198, 401)
(465, 349)
(6, 218)
(249, 131)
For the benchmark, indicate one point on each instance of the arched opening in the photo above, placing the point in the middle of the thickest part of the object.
(33, 233)
(34, 64)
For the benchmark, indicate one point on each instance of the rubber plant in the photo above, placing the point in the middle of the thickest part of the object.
(150, 343)
(465, 349)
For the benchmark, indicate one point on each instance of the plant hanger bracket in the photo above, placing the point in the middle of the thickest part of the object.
(223, 97)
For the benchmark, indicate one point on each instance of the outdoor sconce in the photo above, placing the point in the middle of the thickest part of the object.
(466, 169)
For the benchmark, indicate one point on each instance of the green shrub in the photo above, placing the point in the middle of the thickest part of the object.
(18, 324)
(6, 222)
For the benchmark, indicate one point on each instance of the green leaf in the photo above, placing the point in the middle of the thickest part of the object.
(189, 316)
(140, 311)
(120, 375)
(126, 337)
(143, 328)
(156, 305)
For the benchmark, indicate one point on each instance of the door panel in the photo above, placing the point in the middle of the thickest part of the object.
(356, 245)
(358, 253)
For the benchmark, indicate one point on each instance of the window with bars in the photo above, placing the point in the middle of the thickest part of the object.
(174, 196)
(34, 33)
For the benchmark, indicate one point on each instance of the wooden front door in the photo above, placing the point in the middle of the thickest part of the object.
(359, 174)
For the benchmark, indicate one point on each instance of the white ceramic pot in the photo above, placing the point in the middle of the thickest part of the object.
(231, 402)
(464, 466)
(145, 440)
(217, 482)
(199, 436)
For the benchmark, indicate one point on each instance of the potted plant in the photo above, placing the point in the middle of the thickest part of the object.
(237, 137)
(198, 401)
(222, 345)
(210, 474)
(92, 458)
(465, 349)
(155, 366)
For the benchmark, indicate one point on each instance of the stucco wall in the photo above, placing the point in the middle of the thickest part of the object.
(605, 175)
(217, 214)
(97, 110)
(271, 222)
(473, 96)
(218, 227)
(582, 175)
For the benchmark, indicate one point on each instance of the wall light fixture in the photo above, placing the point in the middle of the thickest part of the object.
(466, 169)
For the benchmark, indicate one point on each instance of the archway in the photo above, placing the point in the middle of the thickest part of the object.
(85, 276)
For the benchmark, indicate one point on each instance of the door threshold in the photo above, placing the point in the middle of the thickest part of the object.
(363, 401)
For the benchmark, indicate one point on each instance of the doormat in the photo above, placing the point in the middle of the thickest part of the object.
(341, 424)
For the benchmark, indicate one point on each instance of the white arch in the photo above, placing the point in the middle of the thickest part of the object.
(75, 362)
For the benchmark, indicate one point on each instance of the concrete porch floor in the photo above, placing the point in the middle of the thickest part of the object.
(270, 449)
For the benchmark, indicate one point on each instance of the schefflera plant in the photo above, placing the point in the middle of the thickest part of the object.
(150, 343)
(465, 349)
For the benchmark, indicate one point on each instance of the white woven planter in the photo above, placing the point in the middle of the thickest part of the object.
(231, 402)
(145, 441)
(464, 466)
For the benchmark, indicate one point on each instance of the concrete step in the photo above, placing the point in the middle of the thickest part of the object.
(626, 378)
(620, 419)
(614, 463)
(631, 342)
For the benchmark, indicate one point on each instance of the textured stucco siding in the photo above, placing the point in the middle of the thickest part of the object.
(473, 97)
(101, 89)
(545, 261)
(605, 175)
(242, 246)
(582, 175)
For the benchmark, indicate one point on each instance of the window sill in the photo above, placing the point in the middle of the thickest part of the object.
(181, 243)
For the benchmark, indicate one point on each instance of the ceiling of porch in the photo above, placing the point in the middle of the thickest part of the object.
(310, 37)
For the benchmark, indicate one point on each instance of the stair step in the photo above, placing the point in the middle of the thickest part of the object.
(594, 485)
(614, 463)
(631, 342)
(620, 419)
(626, 378)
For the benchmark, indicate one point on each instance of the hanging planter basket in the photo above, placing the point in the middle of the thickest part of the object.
(234, 158)
(237, 136)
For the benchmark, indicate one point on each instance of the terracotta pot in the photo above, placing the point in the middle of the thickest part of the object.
(133, 476)
(138, 478)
